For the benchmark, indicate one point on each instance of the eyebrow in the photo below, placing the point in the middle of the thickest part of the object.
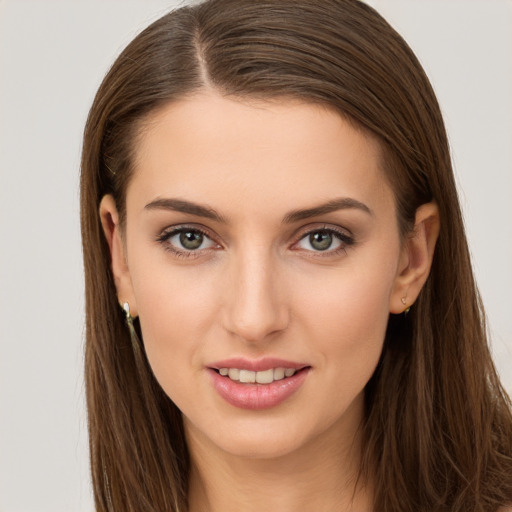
(343, 203)
(180, 205)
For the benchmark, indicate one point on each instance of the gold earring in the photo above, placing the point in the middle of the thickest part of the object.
(129, 323)
(137, 346)
(126, 309)
(404, 302)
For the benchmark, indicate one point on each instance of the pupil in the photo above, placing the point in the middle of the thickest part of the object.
(320, 240)
(191, 239)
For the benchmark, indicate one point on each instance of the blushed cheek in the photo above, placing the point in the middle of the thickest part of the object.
(177, 308)
(170, 342)
(348, 317)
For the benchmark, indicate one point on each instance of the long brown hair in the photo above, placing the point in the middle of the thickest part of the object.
(438, 424)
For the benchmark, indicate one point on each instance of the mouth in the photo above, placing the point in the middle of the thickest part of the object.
(245, 376)
(257, 384)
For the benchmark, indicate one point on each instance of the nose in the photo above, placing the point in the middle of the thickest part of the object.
(256, 307)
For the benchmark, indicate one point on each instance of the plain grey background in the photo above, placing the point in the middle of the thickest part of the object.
(53, 55)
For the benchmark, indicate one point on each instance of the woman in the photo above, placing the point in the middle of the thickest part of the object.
(267, 193)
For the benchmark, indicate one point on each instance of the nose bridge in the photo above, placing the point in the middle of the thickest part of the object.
(256, 307)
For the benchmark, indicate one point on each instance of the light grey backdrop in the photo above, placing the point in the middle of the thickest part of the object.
(53, 55)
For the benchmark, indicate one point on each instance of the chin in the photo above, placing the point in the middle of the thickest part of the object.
(262, 447)
(264, 438)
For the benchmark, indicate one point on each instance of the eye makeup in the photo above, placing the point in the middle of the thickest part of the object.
(324, 241)
(191, 241)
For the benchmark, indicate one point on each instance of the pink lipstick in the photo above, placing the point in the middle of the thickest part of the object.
(257, 384)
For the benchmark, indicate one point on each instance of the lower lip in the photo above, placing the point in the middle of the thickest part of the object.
(257, 396)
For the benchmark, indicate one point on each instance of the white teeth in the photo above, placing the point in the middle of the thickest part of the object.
(279, 373)
(264, 377)
(247, 376)
(234, 374)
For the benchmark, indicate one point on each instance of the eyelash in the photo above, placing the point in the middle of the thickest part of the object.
(166, 235)
(345, 240)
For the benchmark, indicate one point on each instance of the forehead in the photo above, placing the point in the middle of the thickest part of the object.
(208, 147)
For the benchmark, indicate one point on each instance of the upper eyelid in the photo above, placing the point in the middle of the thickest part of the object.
(307, 230)
(172, 230)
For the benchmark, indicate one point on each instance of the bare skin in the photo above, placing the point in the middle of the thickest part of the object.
(223, 258)
(320, 477)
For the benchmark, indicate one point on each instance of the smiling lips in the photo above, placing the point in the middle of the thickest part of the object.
(257, 385)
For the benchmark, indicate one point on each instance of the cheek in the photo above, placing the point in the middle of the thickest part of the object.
(176, 307)
(356, 293)
(346, 315)
(347, 320)
(169, 295)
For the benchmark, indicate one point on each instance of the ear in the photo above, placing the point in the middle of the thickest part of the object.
(112, 230)
(416, 258)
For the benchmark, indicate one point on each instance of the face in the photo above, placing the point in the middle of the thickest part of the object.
(261, 244)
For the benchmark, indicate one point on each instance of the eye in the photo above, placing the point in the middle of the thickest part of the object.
(324, 240)
(189, 240)
(186, 240)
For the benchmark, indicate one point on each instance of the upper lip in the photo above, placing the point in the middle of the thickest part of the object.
(256, 365)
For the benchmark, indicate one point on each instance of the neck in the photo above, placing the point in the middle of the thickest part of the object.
(319, 477)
